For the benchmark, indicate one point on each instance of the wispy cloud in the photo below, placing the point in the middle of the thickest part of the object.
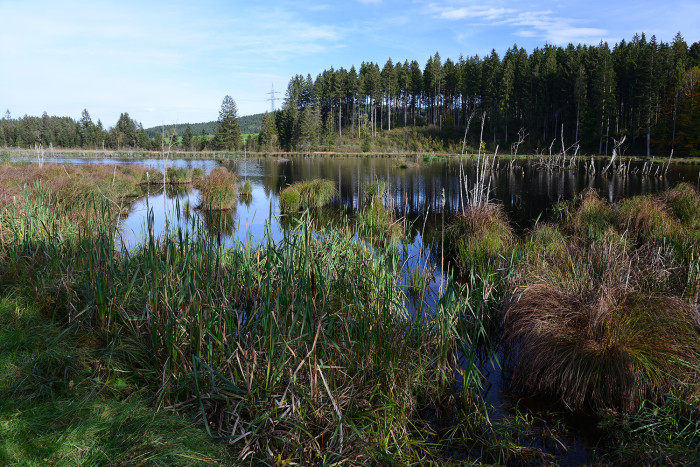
(541, 24)
(476, 11)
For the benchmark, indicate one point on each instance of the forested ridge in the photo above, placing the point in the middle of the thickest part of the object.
(250, 124)
(644, 89)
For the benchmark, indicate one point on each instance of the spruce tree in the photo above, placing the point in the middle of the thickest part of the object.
(228, 130)
(187, 137)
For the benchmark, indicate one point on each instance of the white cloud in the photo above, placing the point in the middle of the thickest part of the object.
(473, 12)
(542, 24)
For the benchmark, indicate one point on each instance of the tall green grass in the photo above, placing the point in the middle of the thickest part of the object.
(301, 350)
(479, 240)
(310, 194)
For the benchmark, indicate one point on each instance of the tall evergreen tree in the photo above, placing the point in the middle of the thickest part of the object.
(228, 131)
(187, 138)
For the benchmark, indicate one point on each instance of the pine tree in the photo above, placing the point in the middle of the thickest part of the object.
(187, 138)
(228, 131)
(267, 138)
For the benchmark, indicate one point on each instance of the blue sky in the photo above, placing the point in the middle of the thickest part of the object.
(168, 62)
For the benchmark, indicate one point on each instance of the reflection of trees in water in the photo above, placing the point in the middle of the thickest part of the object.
(178, 191)
(219, 223)
(525, 191)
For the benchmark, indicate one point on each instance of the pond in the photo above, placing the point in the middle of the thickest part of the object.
(415, 190)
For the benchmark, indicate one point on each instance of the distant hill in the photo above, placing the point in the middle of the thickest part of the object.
(249, 124)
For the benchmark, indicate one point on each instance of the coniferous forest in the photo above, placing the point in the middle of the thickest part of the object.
(643, 89)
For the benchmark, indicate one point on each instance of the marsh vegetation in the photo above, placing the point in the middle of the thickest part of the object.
(312, 344)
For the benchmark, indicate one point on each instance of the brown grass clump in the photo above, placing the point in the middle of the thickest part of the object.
(600, 328)
(219, 190)
(78, 191)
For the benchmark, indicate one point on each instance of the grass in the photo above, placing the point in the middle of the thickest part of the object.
(72, 187)
(311, 194)
(669, 433)
(66, 398)
(599, 327)
(303, 350)
(375, 190)
(587, 215)
(219, 190)
(374, 219)
(298, 351)
(246, 189)
(178, 176)
(479, 239)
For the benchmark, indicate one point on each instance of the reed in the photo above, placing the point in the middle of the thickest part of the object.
(587, 215)
(301, 348)
(375, 190)
(246, 189)
(649, 219)
(219, 190)
(290, 199)
(178, 176)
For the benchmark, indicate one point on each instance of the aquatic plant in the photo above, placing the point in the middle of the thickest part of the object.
(648, 218)
(310, 194)
(219, 190)
(246, 189)
(599, 328)
(178, 175)
(290, 199)
(478, 237)
(316, 321)
(197, 173)
(375, 190)
(587, 215)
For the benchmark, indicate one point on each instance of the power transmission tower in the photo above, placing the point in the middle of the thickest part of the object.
(272, 98)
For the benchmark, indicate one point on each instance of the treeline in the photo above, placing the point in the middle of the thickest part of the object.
(249, 124)
(27, 131)
(126, 134)
(643, 89)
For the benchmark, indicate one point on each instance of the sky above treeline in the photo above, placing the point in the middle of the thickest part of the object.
(173, 62)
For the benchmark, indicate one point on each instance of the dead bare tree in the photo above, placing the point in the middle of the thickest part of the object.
(615, 150)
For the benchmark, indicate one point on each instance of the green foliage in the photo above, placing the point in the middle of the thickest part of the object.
(246, 189)
(290, 199)
(66, 398)
(225, 326)
(310, 194)
(587, 215)
(479, 239)
(668, 432)
(228, 130)
(178, 175)
(375, 190)
(219, 190)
